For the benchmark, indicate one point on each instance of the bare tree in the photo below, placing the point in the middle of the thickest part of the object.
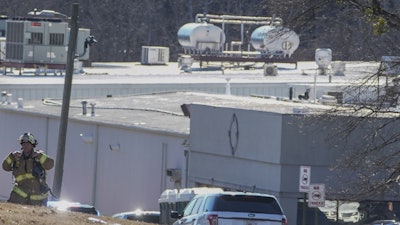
(371, 109)
(370, 163)
(382, 14)
(122, 27)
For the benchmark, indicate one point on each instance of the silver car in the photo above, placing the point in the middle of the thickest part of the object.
(233, 208)
(140, 216)
(385, 222)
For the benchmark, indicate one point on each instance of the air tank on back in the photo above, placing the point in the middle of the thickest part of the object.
(275, 41)
(201, 38)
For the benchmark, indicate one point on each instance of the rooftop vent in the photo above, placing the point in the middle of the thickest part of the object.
(323, 58)
(153, 55)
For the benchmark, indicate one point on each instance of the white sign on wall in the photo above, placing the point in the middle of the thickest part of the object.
(305, 177)
(316, 196)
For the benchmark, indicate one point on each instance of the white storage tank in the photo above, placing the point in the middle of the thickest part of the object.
(275, 41)
(202, 37)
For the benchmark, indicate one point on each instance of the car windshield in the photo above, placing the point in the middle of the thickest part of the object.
(73, 207)
(244, 203)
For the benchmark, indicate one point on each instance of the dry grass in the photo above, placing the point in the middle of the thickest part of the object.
(14, 214)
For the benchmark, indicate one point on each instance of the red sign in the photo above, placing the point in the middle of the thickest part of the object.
(36, 24)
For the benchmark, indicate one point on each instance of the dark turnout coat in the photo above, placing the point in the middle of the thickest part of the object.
(29, 177)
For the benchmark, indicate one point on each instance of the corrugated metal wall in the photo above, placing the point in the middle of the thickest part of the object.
(115, 180)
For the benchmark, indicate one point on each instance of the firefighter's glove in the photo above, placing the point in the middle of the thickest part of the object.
(15, 155)
(35, 156)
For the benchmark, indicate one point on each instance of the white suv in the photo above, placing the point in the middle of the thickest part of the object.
(233, 208)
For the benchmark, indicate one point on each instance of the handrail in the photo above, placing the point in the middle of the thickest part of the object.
(232, 19)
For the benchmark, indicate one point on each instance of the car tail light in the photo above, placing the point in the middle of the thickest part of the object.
(212, 219)
(284, 221)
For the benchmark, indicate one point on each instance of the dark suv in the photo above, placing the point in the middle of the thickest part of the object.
(233, 208)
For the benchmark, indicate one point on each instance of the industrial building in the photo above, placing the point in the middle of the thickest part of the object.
(243, 132)
(135, 130)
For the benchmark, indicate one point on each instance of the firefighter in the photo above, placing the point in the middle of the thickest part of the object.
(28, 168)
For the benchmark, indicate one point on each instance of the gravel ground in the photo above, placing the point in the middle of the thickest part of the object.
(11, 214)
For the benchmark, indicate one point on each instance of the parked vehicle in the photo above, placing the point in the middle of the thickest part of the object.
(139, 215)
(173, 201)
(385, 222)
(230, 208)
(376, 211)
(312, 215)
(73, 207)
(349, 212)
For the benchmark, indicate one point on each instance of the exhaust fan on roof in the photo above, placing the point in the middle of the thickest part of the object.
(270, 70)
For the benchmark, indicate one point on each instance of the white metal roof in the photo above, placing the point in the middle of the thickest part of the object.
(185, 194)
(161, 112)
(122, 73)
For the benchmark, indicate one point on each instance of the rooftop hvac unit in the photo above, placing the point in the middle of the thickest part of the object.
(155, 55)
(80, 44)
(2, 48)
(3, 25)
(36, 42)
(39, 42)
(390, 65)
(338, 68)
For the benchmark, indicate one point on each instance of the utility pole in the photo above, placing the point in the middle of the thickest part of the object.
(59, 167)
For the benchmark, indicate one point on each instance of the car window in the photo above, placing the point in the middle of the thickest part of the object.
(197, 205)
(245, 203)
(89, 210)
(189, 207)
(208, 204)
(144, 218)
